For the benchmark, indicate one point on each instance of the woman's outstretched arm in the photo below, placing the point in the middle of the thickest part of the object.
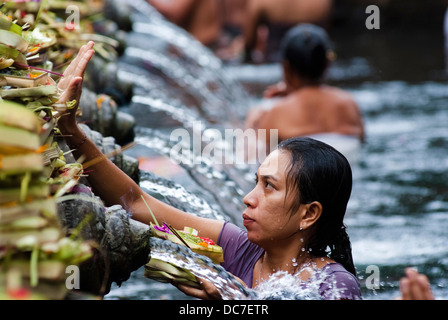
(108, 181)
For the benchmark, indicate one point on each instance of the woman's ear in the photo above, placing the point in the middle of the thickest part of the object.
(312, 212)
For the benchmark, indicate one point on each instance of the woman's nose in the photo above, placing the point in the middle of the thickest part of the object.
(250, 199)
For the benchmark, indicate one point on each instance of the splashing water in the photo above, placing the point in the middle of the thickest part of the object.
(284, 286)
(280, 286)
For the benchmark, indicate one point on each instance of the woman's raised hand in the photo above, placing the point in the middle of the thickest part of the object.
(70, 84)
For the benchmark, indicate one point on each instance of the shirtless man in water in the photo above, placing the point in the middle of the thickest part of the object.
(302, 105)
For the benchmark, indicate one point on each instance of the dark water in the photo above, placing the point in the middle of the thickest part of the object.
(398, 213)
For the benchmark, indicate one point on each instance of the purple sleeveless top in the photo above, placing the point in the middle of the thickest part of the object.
(240, 256)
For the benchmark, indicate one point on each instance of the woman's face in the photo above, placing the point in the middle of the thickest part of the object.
(267, 217)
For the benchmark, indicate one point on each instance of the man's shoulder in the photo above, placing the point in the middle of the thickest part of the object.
(340, 94)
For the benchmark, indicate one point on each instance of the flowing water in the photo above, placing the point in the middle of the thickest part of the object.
(398, 212)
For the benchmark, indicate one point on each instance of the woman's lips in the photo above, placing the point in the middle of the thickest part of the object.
(247, 220)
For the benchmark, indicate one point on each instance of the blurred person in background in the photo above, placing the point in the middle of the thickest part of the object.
(202, 19)
(301, 104)
(268, 21)
(244, 30)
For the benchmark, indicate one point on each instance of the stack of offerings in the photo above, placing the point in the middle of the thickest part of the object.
(34, 254)
(37, 260)
(37, 91)
(19, 81)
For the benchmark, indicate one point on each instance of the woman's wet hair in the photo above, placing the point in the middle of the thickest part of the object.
(306, 48)
(318, 172)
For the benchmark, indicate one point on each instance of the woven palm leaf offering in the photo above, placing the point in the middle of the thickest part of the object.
(12, 45)
(38, 173)
(17, 47)
(34, 253)
(20, 81)
(164, 271)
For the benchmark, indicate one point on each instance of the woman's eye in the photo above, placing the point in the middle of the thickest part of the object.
(267, 184)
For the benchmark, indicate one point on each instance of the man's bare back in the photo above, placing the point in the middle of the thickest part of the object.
(268, 20)
(201, 18)
(292, 11)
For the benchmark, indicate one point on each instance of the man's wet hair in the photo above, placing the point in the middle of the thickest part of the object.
(307, 47)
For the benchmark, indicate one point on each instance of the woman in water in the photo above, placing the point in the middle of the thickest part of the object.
(293, 216)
